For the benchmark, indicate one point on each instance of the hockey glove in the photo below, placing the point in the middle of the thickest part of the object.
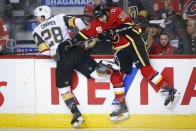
(108, 35)
(90, 43)
(64, 46)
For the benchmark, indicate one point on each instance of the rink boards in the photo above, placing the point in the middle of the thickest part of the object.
(29, 98)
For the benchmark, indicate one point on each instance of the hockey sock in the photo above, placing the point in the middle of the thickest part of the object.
(153, 76)
(70, 101)
(117, 82)
(119, 94)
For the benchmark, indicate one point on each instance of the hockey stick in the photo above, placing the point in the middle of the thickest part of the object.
(19, 53)
(127, 28)
(123, 29)
(32, 52)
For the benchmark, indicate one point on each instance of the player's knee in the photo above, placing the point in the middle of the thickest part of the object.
(117, 79)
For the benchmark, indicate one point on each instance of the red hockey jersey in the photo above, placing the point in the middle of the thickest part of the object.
(116, 17)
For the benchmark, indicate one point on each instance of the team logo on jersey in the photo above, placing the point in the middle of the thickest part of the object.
(99, 29)
(122, 16)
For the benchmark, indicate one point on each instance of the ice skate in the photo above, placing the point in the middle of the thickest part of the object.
(120, 113)
(77, 119)
(172, 96)
(109, 65)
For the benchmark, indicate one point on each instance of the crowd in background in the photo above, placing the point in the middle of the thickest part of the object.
(167, 26)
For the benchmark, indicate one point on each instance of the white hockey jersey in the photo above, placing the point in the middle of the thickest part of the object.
(50, 33)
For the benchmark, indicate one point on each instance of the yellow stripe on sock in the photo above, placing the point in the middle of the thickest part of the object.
(117, 93)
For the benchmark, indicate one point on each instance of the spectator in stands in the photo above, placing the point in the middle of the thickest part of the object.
(151, 35)
(89, 10)
(191, 30)
(6, 8)
(175, 25)
(162, 7)
(6, 12)
(4, 35)
(163, 47)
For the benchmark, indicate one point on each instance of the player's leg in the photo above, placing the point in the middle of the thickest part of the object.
(170, 93)
(123, 59)
(121, 112)
(69, 100)
(141, 60)
(64, 73)
(90, 68)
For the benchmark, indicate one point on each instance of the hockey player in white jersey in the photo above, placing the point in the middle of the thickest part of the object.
(53, 39)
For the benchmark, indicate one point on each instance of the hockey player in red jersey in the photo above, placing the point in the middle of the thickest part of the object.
(113, 25)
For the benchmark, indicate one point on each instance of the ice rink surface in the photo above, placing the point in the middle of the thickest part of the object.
(29, 129)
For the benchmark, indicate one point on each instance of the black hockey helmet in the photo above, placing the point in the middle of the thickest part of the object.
(100, 10)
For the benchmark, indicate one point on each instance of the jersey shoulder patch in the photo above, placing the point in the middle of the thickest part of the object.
(70, 21)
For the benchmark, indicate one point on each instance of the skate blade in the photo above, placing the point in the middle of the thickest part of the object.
(173, 103)
(79, 121)
(120, 117)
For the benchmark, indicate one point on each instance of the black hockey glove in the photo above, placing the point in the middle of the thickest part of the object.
(64, 46)
(108, 35)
